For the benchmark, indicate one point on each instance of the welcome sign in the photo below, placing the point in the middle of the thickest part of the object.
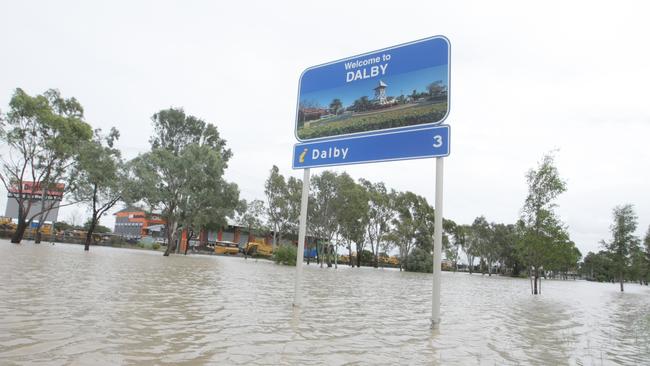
(397, 88)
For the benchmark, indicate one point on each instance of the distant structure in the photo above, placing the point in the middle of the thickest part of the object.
(134, 223)
(37, 199)
(380, 93)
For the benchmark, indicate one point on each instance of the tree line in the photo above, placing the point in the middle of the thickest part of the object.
(49, 142)
(182, 177)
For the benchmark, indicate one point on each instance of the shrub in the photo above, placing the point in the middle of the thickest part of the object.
(155, 246)
(419, 261)
(285, 254)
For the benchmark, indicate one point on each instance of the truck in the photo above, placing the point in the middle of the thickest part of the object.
(258, 247)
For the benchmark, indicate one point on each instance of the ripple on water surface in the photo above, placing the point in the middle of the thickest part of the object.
(59, 306)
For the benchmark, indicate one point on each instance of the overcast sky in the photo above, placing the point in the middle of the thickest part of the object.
(526, 78)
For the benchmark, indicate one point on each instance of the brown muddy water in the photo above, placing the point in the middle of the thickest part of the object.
(61, 306)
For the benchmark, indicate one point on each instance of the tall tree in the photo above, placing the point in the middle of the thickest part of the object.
(294, 196)
(624, 241)
(99, 173)
(413, 226)
(437, 89)
(482, 236)
(351, 214)
(322, 213)
(380, 212)
(275, 189)
(161, 177)
(251, 216)
(336, 106)
(539, 226)
(459, 240)
(206, 198)
(469, 246)
(42, 134)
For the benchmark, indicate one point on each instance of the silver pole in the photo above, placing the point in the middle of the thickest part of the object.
(301, 237)
(437, 248)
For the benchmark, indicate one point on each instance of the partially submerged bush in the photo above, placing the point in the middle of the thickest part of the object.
(285, 254)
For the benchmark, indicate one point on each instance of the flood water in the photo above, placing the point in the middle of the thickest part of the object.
(61, 306)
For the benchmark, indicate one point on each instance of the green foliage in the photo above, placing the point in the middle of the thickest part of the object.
(413, 225)
(375, 121)
(276, 191)
(336, 106)
(437, 89)
(250, 215)
(322, 209)
(99, 172)
(366, 258)
(352, 208)
(380, 210)
(419, 261)
(182, 175)
(539, 227)
(155, 246)
(43, 134)
(285, 254)
(98, 228)
(624, 242)
(598, 267)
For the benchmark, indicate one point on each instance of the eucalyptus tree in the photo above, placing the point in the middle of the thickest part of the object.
(505, 238)
(468, 245)
(352, 214)
(458, 242)
(624, 241)
(99, 174)
(539, 227)
(413, 225)
(482, 242)
(206, 199)
(380, 212)
(164, 177)
(294, 196)
(251, 215)
(322, 212)
(41, 134)
(275, 189)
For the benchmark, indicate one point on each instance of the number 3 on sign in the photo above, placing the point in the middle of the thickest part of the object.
(437, 141)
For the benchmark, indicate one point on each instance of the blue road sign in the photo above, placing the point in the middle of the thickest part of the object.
(396, 88)
(428, 142)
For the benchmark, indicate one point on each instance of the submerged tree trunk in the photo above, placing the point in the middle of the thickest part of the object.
(336, 257)
(328, 255)
(170, 242)
(350, 261)
(535, 279)
(620, 276)
(89, 234)
(20, 231)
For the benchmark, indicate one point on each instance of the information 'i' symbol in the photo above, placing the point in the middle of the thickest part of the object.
(302, 155)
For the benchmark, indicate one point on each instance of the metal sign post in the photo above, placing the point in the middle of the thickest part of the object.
(302, 230)
(437, 248)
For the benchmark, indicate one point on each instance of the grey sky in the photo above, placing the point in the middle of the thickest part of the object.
(526, 78)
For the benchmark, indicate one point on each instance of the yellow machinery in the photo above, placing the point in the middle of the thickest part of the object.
(258, 246)
(226, 247)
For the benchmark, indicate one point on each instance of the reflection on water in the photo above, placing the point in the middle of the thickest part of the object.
(59, 306)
